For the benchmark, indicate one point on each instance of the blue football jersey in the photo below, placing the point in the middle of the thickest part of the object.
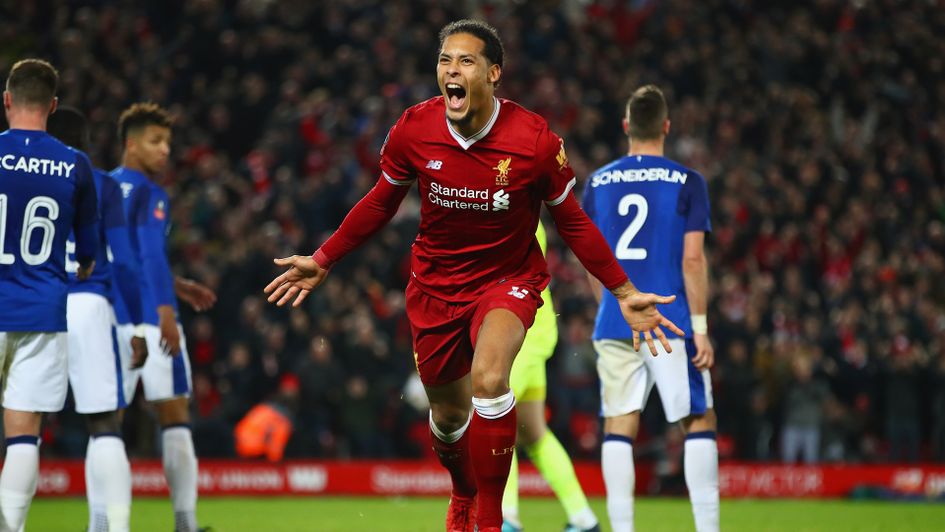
(116, 268)
(644, 205)
(147, 209)
(47, 191)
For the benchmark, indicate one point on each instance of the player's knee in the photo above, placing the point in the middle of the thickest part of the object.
(701, 422)
(624, 425)
(489, 383)
(20, 423)
(173, 412)
(105, 422)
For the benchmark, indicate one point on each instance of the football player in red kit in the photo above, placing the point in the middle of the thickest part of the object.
(483, 166)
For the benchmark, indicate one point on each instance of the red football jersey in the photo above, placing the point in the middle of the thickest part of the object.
(480, 196)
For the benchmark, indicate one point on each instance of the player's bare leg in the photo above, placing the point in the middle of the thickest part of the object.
(493, 427)
(701, 466)
(531, 422)
(180, 461)
(107, 474)
(617, 467)
(450, 410)
(20, 467)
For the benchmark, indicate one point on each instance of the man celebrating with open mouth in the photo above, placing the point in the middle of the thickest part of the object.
(477, 271)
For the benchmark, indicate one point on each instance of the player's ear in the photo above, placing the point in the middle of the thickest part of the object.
(494, 75)
(666, 127)
(53, 105)
(626, 126)
(7, 100)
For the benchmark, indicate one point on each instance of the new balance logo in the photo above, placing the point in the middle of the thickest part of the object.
(435, 165)
(500, 200)
(518, 292)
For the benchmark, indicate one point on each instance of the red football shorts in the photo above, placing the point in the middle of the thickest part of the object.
(444, 333)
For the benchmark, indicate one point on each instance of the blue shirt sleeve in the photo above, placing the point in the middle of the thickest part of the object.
(151, 226)
(85, 223)
(126, 270)
(694, 204)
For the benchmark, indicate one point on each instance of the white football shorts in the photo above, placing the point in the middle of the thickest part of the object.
(94, 367)
(628, 376)
(35, 370)
(163, 376)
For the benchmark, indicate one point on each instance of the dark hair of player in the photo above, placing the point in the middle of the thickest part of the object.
(647, 111)
(493, 49)
(141, 115)
(32, 82)
(69, 125)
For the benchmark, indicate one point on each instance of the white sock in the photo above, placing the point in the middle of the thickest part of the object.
(18, 481)
(619, 479)
(494, 408)
(98, 520)
(701, 464)
(180, 468)
(111, 476)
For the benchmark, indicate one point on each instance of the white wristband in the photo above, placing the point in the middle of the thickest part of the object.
(139, 330)
(700, 325)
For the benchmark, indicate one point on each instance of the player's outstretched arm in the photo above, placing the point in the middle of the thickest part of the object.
(367, 217)
(591, 248)
(303, 276)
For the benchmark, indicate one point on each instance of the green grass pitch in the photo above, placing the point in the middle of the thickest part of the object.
(331, 514)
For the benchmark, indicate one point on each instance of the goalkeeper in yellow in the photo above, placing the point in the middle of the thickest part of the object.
(528, 383)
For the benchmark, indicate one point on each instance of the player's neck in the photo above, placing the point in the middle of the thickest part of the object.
(133, 164)
(646, 147)
(478, 122)
(30, 121)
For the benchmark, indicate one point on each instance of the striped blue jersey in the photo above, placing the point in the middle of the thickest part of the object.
(116, 268)
(147, 210)
(644, 205)
(47, 191)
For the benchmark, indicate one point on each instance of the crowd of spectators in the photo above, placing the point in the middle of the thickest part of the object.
(819, 125)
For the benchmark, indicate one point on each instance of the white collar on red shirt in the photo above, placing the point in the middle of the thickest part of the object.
(464, 142)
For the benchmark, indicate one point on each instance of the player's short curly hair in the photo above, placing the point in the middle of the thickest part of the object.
(493, 49)
(32, 82)
(647, 111)
(141, 115)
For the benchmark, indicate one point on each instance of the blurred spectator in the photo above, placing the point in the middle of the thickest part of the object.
(266, 428)
(804, 413)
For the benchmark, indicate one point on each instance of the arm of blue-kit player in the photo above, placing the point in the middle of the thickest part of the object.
(127, 270)
(85, 224)
(150, 226)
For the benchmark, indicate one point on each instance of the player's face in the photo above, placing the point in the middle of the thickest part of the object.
(466, 77)
(152, 148)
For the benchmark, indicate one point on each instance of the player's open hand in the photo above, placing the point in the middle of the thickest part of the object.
(139, 352)
(639, 309)
(303, 275)
(197, 295)
(705, 354)
(84, 272)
